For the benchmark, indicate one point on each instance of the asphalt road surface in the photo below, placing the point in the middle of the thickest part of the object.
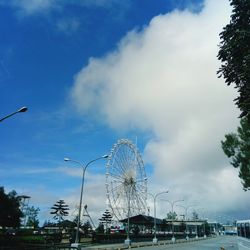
(219, 243)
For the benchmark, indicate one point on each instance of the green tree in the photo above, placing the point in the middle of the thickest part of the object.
(60, 210)
(237, 147)
(86, 227)
(234, 53)
(106, 218)
(100, 228)
(49, 224)
(10, 213)
(172, 216)
(32, 214)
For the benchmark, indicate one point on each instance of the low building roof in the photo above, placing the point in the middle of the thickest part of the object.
(142, 219)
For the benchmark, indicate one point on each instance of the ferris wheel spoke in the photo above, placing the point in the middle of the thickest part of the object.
(116, 177)
(116, 213)
(124, 161)
(119, 166)
(140, 197)
(140, 200)
(140, 180)
(116, 187)
(117, 182)
(141, 186)
(126, 154)
(117, 200)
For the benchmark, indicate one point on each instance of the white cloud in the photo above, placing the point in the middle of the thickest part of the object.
(94, 196)
(68, 26)
(29, 7)
(163, 79)
(103, 3)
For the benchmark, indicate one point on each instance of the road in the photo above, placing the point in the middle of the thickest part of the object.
(226, 242)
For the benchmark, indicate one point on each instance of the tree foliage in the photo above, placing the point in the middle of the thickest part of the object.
(60, 210)
(100, 228)
(172, 216)
(234, 53)
(106, 219)
(32, 214)
(237, 147)
(10, 213)
(48, 223)
(86, 227)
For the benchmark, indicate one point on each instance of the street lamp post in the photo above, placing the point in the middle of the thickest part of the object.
(128, 241)
(21, 110)
(186, 209)
(196, 233)
(129, 186)
(155, 241)
(204, 224)
(172, 211)
(84, 167)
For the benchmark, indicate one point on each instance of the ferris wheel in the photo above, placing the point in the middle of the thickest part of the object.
(126, 182)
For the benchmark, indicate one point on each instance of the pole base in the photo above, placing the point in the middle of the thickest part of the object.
(173, 239)
(76, 245)
(155, 240)
(127, 242)
(187, 238)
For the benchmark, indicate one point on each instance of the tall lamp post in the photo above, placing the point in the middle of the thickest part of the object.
(172, 211)
(21, 110)
(128, 241)
(129, 183)
(84, 167)
(154, 197)
(186, 209)
(204, 224)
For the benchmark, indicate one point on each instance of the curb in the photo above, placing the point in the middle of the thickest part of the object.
(143, 244)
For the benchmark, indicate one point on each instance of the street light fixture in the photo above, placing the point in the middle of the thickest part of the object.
(155, 240)
(84, 167)
(172, 210)
(21, 110)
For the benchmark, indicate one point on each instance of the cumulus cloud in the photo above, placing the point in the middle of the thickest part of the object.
(163, 79)
(94, 196)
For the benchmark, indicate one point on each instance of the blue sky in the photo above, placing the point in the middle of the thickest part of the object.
(93, 72)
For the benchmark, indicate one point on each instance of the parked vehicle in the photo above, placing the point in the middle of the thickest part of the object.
(243, 232)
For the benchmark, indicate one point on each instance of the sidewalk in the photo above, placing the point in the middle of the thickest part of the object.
(121, 246)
